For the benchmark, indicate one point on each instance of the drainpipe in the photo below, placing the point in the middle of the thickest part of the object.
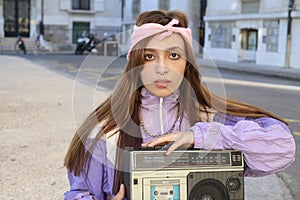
(42, 18)
(122, 14)
(203, 5)
(289, 37)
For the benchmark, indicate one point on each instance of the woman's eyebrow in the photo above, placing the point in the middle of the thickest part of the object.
(175, 48)
(178, 49)
(150, 49)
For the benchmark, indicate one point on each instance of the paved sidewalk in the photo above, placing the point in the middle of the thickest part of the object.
(37, 125)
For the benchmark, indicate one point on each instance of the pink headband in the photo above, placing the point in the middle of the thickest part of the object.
(141, 32)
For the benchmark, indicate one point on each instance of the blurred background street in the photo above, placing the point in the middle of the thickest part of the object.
(52, 53)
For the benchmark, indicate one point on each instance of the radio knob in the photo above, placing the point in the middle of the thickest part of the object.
(233, 184)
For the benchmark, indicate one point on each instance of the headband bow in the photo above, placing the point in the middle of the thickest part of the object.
(141, 32)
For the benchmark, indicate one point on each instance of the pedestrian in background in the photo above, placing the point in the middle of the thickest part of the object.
(161, 100)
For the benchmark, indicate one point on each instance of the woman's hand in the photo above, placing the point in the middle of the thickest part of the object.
(179, 139)
(121, 193)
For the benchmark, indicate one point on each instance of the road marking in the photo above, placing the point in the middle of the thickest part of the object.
(55, 63)
(70, 67)
(292, 120)
(253, 84)
(296, 133)
(109, 78)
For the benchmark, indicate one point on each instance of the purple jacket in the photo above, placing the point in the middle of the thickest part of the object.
(267, 144)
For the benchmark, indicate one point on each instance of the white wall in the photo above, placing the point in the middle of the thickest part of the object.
(1, 20)
(297, 4)
(224, 7)
(273, 5)
(59, 12)
(180, 5)
(295, 48)
(273, 58)
(220, 53)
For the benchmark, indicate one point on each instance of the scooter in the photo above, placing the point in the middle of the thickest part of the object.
(20, 45)
(86, 44)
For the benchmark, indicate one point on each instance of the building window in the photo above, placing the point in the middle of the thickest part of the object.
(16, 18)
(81, 4)
(164, 4)
(250, 6)
(249, 39)
(272, 37)
(221, 34)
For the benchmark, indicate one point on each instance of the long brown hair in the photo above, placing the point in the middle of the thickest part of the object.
(119, 111)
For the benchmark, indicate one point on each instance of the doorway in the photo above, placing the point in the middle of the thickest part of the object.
(80, 29)
(248, 44)
(16, 18)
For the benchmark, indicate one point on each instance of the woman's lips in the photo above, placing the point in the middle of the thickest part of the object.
(162, 83)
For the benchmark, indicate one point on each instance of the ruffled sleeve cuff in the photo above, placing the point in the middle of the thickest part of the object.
(199, 134)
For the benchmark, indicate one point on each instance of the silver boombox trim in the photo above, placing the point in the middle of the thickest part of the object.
(184, 175)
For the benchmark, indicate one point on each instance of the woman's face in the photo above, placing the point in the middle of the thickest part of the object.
(165, 62)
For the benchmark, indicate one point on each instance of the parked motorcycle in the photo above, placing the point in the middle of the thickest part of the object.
(20, 45)
(87, 43)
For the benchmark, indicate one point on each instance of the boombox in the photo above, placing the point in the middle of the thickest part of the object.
(184, 175)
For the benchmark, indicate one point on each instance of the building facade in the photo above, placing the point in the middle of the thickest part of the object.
(260, 31)
(63, 20)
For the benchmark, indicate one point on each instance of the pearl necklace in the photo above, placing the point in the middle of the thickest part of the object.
(166, 133)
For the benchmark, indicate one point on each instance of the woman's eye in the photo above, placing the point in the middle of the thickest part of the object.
(149, 57)
(174, 56)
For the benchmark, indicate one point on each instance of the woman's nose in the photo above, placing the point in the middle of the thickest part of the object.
(162, 66)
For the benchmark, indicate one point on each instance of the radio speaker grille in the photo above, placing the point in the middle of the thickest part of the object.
(215, 185)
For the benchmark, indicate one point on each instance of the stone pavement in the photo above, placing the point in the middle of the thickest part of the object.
(37, 125)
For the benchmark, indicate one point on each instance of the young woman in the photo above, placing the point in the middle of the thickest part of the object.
(161, 100)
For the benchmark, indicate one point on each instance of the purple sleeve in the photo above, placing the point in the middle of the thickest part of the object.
(267, 144)
(93, 185)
